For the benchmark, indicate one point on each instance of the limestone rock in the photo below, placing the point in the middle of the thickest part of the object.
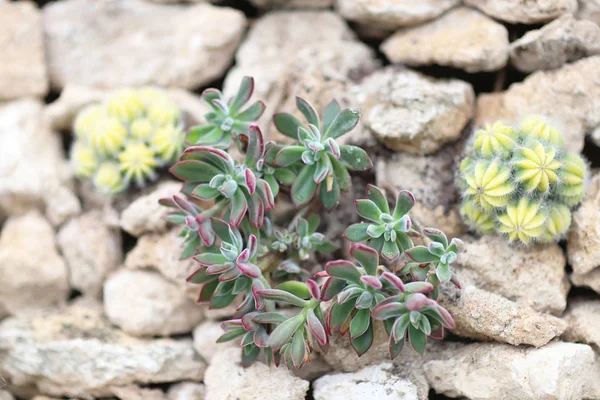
(32, 167)
(131, 43)
(591, 279)
(145, 303)
(145, 214)
(561, 41)
(533, 276)
(226, 379)
(61, 205)
(293, 3)
(589, 10)
(583, 240)
(497, 371)
(393, 14)
(76, 352)
(32, 273)
(377, 381)
(134, 392)
(186, 391)
(462, 38)
(91, 249)
(408, 111)
(583, 319)
(4, 395)
(526, 12)
(23, 68)
(487, 316)
(205, 340)
(569, 97)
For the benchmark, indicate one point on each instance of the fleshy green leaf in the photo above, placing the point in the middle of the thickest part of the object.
(192, 170)
(421, 254)
(289, 155)
(342, 176)
(417, 339)
(298, 347)
(367, 257)
(331, 111)
(304, 186)
(329, 198)
(400, 326)
(282, 296)
(284, 176)
(355, 158)
(243, 94)
(205, 192)
(308, 111)
(331, 288)
(296, 288)
(390, 250)
(376, 196)
(282, 334)
(404, 202)
(360, 323)
(339, 313)
(287, 124)
(344, 270)
(357, 232)
(363, 343)
(252, 113)
(343, 123)
(436, 235)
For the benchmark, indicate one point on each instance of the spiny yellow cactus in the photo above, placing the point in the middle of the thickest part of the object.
(125, 138)
(520, 182)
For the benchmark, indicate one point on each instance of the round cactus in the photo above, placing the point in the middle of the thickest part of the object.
(125, 138)
(520, 182)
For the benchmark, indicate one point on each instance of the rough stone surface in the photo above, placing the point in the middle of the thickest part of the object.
(583, 319)
(561, 41)
(591, 280)
(462, 38)
(527, 12)
(583, 240)
(145, 214)
(91, 249)
(75, 352)
(480, 371)
(205, 340)
(408, 111)
(226, 379)
(377, 382)
(119, 43)
(32, 273)
(134, 392)
(23, 67)
(569, 97)
(186, 391)
(589, 10)
(392, 14)
(32, 167)
(293, 3)
(533, 276)
(487, 316)
(62, 205)
(145, 303)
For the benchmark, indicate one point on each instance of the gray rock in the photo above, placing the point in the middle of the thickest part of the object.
(589, 10)
(462, 38)
(591, 280)
(205, 340)
(583, 319)
(293, 3)
(134, 392)
(186, 391)
(526, 12)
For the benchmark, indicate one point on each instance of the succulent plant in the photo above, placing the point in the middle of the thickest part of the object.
(521, 182)
(126, 138)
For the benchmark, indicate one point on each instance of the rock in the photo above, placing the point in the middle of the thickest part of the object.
(32, 273)
(4, 395)
(76, 352)
(431, 180)
(393, 14)
(205, 340)
(583, 240)
(462, 38)
(134, 392)
(487, 316)
(61, 205)
(144, 303)
(498, 371)
(132, 43)
(533, 276)
(186, 391)
(569, 97)
(591, 280)
(377, 381)
(316, 368)
(293, 3)
(589, 10)
(526, 12)
(408, 111)
(225, 379)
(561, 41)
(91, 249)
(33, 168)
(583, 319)
(145, 214)
(23, 68)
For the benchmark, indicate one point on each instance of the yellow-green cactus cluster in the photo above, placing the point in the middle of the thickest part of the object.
(521, 182)
(124, 139)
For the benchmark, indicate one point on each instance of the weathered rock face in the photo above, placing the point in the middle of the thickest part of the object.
(226, 379)
(583, 319)
(461, 38)
(205, 340)
(134, 392)
(561, 41)
(32, 272)
(486, 316)
(584, 237)
(75, 352)
(591, 280)
(498, 371)
(23, 67)
(145, 303)
(526, 12)
(408, 111)
(589, 10)
(393, 14)
(186, 391)
(133, 42)
(376, 382)
(293, 3)
(91, 249)
(533, 276)
(32, 167)
(569, 97)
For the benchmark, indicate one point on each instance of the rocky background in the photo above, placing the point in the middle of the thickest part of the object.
(93, 302)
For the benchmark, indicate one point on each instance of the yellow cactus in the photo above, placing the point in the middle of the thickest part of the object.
(163, 113)
(558, 222)
(523, 220)
(84, 160)
(108, 179)
(87, 119)
(572, 175)
(137, 162)
(167, 142)
(477, 218)
(141, 128)
(536, 167)
(107, 136)
(125, 105)
(489, 184)
(498, 139)
(536, 127)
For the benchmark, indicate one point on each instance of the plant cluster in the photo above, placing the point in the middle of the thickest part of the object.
(262, 262)
(124, 139)
(521, 182)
